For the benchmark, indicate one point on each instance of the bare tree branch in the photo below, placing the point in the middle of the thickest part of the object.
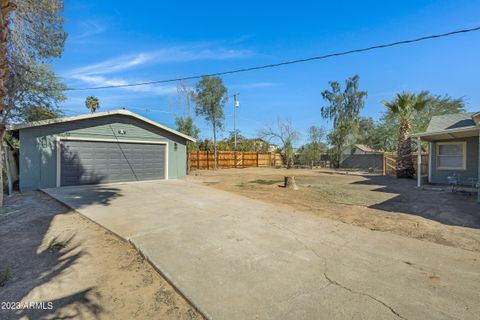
(283, 133)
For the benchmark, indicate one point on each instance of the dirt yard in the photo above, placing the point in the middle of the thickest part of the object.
(375, 202)
(54, 255)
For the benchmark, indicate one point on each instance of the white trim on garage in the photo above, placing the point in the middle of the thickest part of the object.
(59, 139)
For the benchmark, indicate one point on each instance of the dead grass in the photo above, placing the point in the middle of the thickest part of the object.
(55, 255)
(379, 203)
(266, 182)
(56, 245)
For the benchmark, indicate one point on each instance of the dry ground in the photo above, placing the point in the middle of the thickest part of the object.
(53, 254)
(374, 202)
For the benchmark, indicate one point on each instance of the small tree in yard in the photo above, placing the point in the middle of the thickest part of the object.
(284, 133)
(405, 105)
(210, 98)
(186, 126)
(344, 110)
(312, 151)
(92, 103)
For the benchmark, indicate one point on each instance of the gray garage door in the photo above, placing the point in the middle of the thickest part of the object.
(90, 162)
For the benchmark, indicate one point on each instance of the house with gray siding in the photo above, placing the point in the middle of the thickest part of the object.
(454, 149)
(103, 147)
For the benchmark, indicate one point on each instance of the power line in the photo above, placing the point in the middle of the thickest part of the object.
(274, 65)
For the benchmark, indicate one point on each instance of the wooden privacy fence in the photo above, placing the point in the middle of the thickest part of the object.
(199, 160)
(390, 163)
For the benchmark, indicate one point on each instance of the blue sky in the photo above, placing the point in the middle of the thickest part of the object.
(119, 42)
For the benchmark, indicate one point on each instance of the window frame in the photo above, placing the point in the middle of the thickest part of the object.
(464, 155)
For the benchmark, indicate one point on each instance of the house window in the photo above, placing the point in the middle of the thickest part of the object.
(451, 155)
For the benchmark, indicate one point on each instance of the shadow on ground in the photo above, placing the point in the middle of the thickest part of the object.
(456, 209)
(35, 258)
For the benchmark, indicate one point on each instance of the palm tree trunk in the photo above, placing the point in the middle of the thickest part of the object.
(405, 168)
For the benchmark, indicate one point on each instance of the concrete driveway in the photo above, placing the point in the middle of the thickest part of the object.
(238, 258)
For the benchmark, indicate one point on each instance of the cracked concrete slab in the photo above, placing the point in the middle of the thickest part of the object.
(238, 258)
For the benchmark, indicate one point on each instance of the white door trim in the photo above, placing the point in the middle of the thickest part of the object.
(59, 139)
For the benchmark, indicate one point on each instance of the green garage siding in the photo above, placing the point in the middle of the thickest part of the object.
(38, 145)
(472, 169)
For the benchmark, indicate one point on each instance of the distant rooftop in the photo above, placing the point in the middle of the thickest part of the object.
(364, 148)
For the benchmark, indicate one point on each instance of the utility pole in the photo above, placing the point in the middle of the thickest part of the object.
(236, 104)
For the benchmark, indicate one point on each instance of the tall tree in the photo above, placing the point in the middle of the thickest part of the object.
(344, 110)
(6, 7)
(185, 122)
(185, 95)
(404, 106)
(92, 103)
(40, 113)
(210, 98)
(31, 32)
(384, 134)
(284, 133)
(35, 91)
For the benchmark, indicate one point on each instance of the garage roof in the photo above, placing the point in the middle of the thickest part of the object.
(95, 115)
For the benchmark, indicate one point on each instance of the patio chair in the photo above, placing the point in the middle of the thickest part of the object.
(454, 181)
(474, 183)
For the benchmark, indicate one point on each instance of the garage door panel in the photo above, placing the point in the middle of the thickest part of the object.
(90, 162)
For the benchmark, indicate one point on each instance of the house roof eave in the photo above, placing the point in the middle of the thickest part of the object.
(474, 130)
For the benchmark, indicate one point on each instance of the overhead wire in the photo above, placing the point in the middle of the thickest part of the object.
(284, 63)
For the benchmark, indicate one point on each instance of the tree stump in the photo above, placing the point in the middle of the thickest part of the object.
(290, 183)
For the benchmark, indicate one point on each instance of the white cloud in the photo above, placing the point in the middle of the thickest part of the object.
(100, 81)
(95, 74)
(162, 56)
(88, 29)
(111, 65)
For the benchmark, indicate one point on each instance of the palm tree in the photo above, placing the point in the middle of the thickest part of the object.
(92, 103)
(404, 106)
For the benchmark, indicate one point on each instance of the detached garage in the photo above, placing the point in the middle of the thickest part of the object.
(104, 147)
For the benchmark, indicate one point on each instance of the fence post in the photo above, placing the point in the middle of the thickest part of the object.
(270, 159)
(257, 159)
(198, 160)
(419, 162)
(235, 159)
(208, 164)
(243, 159)
(384, 164)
